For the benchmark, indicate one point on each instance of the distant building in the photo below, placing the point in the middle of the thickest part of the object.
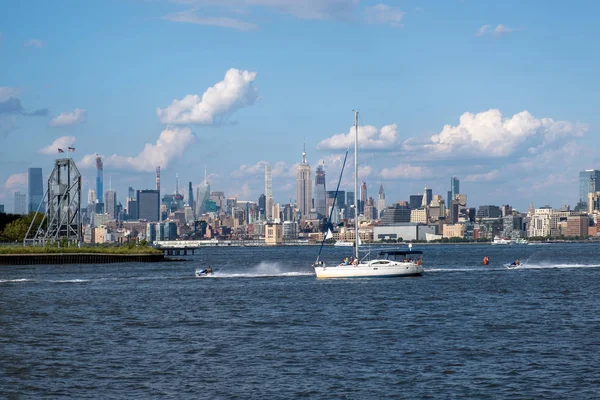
(110, 204)
(589, 182)
(99, 185)
(132, 208)
(396, 214)
(36, 190)
(304, 187)
(380, 201)
(268, 206)
(489, 211)
(1, 208)
(273, 234)
(320, 192)
(415, 201)
(148, 204)
(20, 203)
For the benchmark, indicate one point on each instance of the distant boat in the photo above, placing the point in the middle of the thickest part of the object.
(499, 240)
(343, 244)
(387, 262)
(521, 241)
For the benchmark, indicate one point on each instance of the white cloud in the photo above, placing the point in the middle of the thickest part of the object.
(225, 22)
(278, 169)
(489, 133)
(8, 92)
(35, 43)
(16, 181)
(489, 176)
(498, 31)
(303, 9)
(369, 137)
(406, 171)
(170, 145)
(68, 118)
(384, 14)
(217, 103)
(61, 143)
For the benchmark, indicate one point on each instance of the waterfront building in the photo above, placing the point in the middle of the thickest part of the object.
(290, 230)
(273, 233)
(589, 182)
(320, 192)
(36, 190)
(304, 187)
(404, 232)
(577, 225)
(380, 201)
(20, 203)
(544, 223)
(453, 230)
(148, 204)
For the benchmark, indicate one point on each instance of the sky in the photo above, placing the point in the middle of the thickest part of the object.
(502, 95)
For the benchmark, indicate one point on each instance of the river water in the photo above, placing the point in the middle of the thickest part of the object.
(265, 328)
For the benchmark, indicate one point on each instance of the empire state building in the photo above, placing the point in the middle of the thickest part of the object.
(304, 187)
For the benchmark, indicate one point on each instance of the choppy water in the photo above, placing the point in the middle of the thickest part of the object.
(265, 328)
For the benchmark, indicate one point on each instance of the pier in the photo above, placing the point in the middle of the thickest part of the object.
(77, 258)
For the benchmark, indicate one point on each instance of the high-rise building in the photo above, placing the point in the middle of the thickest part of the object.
(268, 193)
(320, 192)
(304, 187)
(99, 184)
(454, 189)
(148, 205)
(262, 203)
(363, 198)
(415, 201)
(191, 198)
(348, 211)
(589, 182)
(36, 190)
(110, 205)
(380, 201)
(20, 203)
(202, 195)
(1, 208)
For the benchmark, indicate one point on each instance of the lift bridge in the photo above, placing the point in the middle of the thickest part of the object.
(63, 213)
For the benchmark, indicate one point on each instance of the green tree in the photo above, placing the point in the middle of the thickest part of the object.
(16, 230)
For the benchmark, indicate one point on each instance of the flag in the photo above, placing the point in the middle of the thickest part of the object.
(71, 149)
(61, 151)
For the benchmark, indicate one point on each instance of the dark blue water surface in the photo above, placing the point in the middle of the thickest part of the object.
(265, 328)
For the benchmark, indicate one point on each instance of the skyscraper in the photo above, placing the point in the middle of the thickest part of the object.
(148, 204)
(454, 189)
(320, 192)
(99, 184)
(36, 190)
(191, 198)
(363, 197)
(304, 187)
(427, 196)
(589, 182)
(380, 201)
(20, 203)
(268, 193)
(110, 207)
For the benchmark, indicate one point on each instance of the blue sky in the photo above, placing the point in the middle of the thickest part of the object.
(501, 94)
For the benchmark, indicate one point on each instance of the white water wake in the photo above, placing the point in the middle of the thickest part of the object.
(262, 270)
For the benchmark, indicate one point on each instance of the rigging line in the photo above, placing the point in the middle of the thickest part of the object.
(334, 201)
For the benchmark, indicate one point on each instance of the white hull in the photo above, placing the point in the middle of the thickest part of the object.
(344, 244)
(370, 269)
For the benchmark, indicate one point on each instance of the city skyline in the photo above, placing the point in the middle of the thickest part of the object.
(465, 90)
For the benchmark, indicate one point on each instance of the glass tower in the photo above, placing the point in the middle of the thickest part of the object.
(589, 181)
(36, 190)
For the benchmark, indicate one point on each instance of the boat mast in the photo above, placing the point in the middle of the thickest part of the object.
(356, 183)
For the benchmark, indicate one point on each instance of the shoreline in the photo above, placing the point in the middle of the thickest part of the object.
(78, 258)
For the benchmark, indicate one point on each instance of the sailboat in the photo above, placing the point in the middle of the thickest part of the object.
(386, 263)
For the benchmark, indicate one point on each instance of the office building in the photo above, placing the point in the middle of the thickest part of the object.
(304, 187)
(148, 205)
(589, 182)
(363, 198)
(36, 190)
(110, 205)
(99, 185)
(320, 192)
(20, 203)
(380, 201)
(268, 193)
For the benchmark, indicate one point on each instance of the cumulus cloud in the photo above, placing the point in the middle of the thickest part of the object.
(68, 118)
(369, 137)
(170, 145)
(217, 103)
(8, 92)
(491, 134)
(384, 14)
(35, 43)
(225, 22)
(61, 143)
(499, 30)
(16, 181)
(13, 106)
